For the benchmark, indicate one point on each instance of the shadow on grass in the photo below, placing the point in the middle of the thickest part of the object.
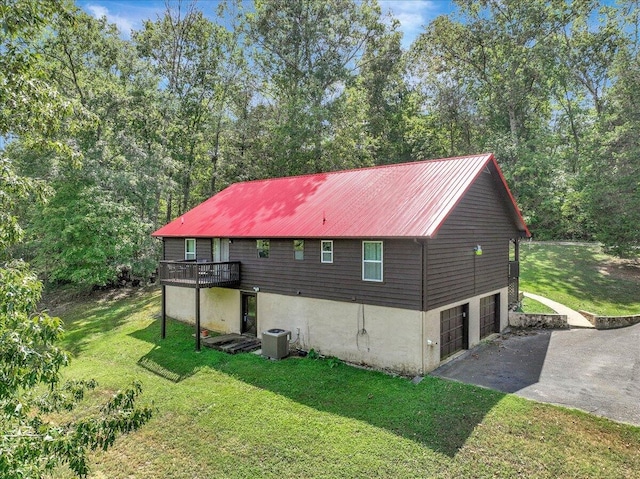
(173, 358)
(437, 413)
(82, 324)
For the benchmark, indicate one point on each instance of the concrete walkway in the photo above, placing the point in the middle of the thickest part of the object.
(575, 319)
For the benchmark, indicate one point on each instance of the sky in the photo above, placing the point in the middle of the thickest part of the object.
(129, 14)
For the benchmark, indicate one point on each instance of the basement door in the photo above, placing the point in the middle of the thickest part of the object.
(454, 330)
(249, 322)
(489, 315)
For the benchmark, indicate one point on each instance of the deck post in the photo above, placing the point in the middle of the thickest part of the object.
(197, 307)
(163, 327)
(516, 252)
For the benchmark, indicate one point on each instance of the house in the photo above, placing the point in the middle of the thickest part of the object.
(397, 266)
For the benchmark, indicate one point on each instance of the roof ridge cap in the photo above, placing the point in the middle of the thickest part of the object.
(364, 168)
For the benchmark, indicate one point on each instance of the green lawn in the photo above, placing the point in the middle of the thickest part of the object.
(581, 277)
(532, 306)
(243, 416)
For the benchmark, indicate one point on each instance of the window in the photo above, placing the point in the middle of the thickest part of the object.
(372, 260)
(263, 248)
(298, 249)
(326, 251)
(190, 248)
(215, 246)
(221, 250)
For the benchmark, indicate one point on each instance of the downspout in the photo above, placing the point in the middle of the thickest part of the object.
(423, 275)
(516, 250)
(424, 301)
(197, 268)
(422, 316)
(163, 329)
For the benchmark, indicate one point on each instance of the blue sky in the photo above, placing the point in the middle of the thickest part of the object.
(129, 14)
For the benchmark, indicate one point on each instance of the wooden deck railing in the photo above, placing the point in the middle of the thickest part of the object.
(200, 274)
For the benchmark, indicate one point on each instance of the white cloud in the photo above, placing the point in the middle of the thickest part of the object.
(413, 15)
(98, 11)
(124, 24)
(126, 14)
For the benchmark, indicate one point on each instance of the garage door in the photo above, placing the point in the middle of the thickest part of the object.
(453, 330)
(489, 315)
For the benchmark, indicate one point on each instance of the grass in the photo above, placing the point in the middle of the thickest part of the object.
(243, 416)
(532, 306)
(580, 276)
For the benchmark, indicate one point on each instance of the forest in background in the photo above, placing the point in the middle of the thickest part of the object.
(118, 136)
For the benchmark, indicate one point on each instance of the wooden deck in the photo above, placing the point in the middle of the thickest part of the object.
(233, 343)
(200, 274)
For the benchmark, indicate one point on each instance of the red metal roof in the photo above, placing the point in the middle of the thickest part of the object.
(403, 200)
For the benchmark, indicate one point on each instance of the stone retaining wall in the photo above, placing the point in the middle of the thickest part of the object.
(538, 320)
(610, 322)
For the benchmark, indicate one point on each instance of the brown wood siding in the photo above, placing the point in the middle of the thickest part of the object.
(417, 275)
(452, 269)
(340, 280)
(174, 249)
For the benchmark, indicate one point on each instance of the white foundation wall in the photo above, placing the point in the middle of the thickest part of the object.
(219, 307)
(378, 336)
(432, 324)
(402, 340)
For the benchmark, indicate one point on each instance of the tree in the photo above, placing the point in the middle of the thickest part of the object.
(500, 61)
(201, 65)
(510, 77)
(388, 103)
(31, 444)
(307, 53)
(613, 189)
(447, 122)
(91, 243)
(115, 128)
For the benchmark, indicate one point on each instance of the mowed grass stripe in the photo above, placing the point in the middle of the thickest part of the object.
(243, 416)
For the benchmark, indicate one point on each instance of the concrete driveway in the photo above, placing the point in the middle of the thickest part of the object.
(596, 371)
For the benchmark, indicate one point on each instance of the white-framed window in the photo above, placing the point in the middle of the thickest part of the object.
(372, 261)
(326, 251)
(190, 248)
(263, 248)
(298, 249)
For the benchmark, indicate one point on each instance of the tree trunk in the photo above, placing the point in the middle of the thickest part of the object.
(214, 157)
(169, 200)
(513, 125)
(186, 193)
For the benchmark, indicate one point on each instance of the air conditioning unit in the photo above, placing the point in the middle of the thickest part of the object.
(275, 343)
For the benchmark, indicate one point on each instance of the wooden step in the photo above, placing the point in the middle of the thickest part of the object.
(233, 343)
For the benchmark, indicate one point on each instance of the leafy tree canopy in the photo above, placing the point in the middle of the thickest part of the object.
(31, 389)
(137, 131)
